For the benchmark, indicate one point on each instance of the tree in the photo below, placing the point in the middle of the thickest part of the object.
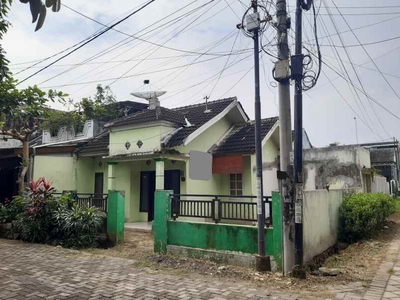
(39, 10)
(20, 115)
(102, 107)
(4, 24)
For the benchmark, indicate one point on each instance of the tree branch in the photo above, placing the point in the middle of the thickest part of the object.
(12, 134)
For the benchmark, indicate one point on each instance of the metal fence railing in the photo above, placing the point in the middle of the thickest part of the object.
(89, 199)
(220, 207)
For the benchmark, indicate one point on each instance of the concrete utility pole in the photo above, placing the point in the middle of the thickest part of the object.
(262, 263)
(252, 27)
(282, 76)
(297, 75)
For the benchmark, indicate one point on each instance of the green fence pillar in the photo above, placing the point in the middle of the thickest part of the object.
(277, 228)
(116, 216)
(162, 213)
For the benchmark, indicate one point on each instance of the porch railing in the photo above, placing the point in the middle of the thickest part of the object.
(220, 207)
(85, 200)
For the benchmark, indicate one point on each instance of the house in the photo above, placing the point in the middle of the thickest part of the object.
(385, 159)
(342, 168)
(306, 140)
(64, 142)
(150, 149)
(10, 162)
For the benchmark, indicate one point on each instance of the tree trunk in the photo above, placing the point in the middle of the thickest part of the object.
(24, 165)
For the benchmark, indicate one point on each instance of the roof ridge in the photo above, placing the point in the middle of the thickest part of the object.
(203, 103)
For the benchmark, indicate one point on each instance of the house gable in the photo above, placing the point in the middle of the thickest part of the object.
(139, 139)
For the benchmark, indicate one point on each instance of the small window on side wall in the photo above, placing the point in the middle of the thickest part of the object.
(236, 184)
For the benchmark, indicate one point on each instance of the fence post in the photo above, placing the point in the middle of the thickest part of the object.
(116, 216)
(162, 213)
(277, 228)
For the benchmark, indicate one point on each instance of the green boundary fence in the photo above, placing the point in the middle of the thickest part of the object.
(223, 237)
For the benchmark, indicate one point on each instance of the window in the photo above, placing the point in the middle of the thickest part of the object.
(236, 185)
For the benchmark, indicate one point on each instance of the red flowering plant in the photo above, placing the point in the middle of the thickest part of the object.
(35, 224)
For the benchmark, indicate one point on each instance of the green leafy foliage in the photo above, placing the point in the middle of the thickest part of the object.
(102, 107)
(4, 25)
(362, 215)
(47, 219)
(54, 120)
(78, 227)
(11, 209)
(21, 112)
(39, 11)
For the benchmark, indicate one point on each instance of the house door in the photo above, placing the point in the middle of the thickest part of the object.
(99, 184)
(172, 181)
(147, 189)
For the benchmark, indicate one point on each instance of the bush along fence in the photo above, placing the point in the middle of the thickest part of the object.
(361, 216)
(207, 235)
(40, 215)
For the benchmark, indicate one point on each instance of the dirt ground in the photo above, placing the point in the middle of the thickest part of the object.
(356, 263)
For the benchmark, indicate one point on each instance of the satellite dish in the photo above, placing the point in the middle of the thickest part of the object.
(151, 96)
(148, 95)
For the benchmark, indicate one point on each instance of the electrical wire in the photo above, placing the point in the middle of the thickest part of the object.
(356, 73)
(131, 38)
(88, 41)
(369, 56)
(176, 34)
(224, 68)
(352, 88)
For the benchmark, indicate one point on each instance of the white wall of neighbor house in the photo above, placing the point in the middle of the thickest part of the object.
(270, 167)
(321, 220)
(335, 167)
(380, 185)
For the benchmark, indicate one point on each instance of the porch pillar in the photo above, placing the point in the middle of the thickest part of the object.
(112, 175)
(160, 167)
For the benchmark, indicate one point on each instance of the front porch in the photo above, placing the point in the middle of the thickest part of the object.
(139, 226)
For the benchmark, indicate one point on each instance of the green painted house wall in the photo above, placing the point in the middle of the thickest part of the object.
(219, 183)
(150, 137)
(58, 169)
(84, 175)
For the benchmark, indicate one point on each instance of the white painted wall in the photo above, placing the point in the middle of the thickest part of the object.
(339, 167)
(321, 219)
(91, 128)
(380, 185)
(9, 143)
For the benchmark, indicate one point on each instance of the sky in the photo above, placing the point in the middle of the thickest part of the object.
(183, 48)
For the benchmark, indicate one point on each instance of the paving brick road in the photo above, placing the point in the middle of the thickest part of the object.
(29, 271)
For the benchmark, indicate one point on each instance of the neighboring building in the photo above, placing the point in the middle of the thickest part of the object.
(10, 163)
(306, 140)
(338, 167)
(385, 159)
(64, 143)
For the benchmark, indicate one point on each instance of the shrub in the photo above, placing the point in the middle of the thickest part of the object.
(78, 227)
(11, 209)
(46, 219)
(35, 224)
(361, 215)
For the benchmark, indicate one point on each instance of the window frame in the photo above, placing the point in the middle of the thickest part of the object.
(236, 179)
